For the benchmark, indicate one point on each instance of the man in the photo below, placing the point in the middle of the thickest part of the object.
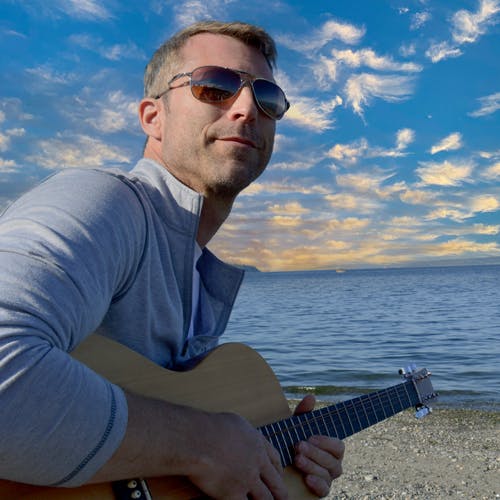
(115, 253)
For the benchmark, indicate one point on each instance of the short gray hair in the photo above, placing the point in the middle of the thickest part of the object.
(167, 58)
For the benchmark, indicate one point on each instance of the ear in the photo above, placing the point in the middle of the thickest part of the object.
(150, 117)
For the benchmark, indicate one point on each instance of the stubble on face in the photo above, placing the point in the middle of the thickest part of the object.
(210, 147)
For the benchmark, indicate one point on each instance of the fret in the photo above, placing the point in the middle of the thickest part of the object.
(388, 392)
(383, 416)
(333, 432)
(336, 414)
(365, 422)
(275, 441)
(339, 420)
(286, 426)
(321, 414)
(300, 426)
(356, 424)
(400, 405)
(348, 427)
(406, 391)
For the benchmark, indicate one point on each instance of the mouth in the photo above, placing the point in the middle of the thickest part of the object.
(239, 140)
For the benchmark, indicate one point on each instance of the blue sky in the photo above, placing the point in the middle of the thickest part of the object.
(390, 153)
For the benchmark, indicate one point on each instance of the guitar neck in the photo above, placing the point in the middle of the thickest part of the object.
(340, 420)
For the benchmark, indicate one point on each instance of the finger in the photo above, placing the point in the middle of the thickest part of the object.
(260, 491)
(306, 405)
(333, 446)
(325, 461)
(317, 485)
(274, 456)
(274, 483)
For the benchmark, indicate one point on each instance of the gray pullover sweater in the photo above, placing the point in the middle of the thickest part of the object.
(86, 251)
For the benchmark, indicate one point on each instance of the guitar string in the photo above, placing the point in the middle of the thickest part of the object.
(352, 405)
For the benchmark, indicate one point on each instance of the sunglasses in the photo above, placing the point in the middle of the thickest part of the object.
(213, 84)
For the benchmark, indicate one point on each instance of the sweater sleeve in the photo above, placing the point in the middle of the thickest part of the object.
(67, 249)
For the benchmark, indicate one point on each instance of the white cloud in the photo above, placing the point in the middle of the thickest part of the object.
(325, 71)
(449, 143)
(70, 151)
(331, 30)
(466, 27)
(484, 203)
(443, 50)
(445, 174)
(117, 113)
(7, 166)
(361, 89)
(85, 9)
(419, 19)
(487, 105)
(469, 26)
(492, 172)
(404, 137)
(46, 75)
(189, 11)
(352, 152)
(310, 113)
(407, 50)
(115, 52)
(369, 58)
(4, 142)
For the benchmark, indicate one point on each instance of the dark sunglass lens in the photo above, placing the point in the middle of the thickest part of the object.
(270, 98)
(213, 84)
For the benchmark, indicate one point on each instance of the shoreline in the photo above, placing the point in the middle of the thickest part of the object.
(451, 453)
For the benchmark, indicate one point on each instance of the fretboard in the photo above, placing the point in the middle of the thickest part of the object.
(339, 420)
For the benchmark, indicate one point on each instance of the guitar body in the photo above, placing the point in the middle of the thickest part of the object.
(232, 378)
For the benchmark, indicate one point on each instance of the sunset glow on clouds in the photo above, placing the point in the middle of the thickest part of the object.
(389, 154)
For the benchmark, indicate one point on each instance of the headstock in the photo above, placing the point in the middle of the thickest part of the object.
(423, 385)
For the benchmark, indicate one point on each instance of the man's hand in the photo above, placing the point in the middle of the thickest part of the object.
(237, 462)
(320, 457)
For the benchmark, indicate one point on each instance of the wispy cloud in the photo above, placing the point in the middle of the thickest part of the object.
(128, 50)
(487, 105)
(190, 11)
(313, 114)
(331, 30)
(69, 151)
(352, 152)
(47, 74)
(492, 172)
(449, 143)
(370, 59)
(116, 113)
(85, 9)
(445, 173)
(443, 50)
(361, 89)
(419, 19)
(466, 27)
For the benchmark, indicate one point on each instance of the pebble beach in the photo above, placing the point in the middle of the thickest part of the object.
(451, 453)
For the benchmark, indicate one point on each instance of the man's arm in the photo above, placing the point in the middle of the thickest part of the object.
(64, 253)
(221, 453)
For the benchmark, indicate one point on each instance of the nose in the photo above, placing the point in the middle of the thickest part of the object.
(243, 105)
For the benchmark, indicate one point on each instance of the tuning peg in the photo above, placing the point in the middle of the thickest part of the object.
(422, 412)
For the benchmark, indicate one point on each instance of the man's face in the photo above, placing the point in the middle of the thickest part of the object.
(216, 148)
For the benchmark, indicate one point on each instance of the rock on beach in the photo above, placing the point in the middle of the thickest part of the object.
(452, 453)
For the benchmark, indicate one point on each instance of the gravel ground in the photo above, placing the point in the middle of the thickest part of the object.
(448, 454)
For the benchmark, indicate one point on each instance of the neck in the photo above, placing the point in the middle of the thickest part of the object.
(216, 206)
(213, 214)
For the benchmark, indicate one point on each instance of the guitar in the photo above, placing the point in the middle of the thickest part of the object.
(232, 378)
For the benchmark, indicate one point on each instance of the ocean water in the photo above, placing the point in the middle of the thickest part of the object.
(341, 335)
